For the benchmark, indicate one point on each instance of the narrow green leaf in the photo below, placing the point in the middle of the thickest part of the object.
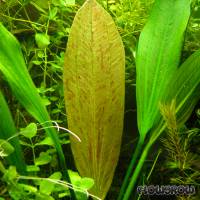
(14, 69)
(184, 87)
(8, 130)
(94, 94)
(158, 57)
(157, 60)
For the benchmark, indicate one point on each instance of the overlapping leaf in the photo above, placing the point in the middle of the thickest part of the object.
(159, 79)
(13, 67)
(158, 57)
(184, 87)
(94, 93)
(8, 132)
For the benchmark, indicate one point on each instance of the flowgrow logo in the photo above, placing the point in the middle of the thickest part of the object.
(166, 190)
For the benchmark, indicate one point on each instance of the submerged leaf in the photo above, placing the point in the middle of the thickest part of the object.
(8, 131)
(30, 131)
(94, 94)
(43, 159)
(158, 57)
(5, 148)
(47, 187)
(14, 69)
(185, 87)
(42, 40)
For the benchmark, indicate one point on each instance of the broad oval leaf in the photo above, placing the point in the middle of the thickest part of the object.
(94, 80)
(46, 186)
(158, 57)
(42, 40)
(30, 131)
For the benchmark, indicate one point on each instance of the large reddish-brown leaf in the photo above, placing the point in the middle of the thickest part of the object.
(94, 82)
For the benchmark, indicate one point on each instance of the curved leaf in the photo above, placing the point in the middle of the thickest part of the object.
(94, 82)
(8, 131)
(14, 69)
(158, 57)
(185, 87)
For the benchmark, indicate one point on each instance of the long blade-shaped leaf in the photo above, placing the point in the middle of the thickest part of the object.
(158, 57)
(185, 87)
(94, 93)
(8, 131)
(14, 69)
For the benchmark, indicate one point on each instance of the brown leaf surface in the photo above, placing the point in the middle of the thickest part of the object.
(94, 84)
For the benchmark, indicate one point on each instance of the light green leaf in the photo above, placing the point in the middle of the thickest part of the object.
(43, 197)
(28, 188)
(52, 13)
(5, 148)
(40, 5)
(62, 3)
(158, 57)
(94, 94)
(86, 183)
(45, 101)
(43, 159)
(32, 168)
(10, 174)
(82, 185)
(30, 131)
(47, 187)
(42, 40)
(8, 131)
(37, 62)
(13, 67)
(68, 2)
(46, 141)
(184, 87)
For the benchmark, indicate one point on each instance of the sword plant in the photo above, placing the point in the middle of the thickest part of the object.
(94, 84)
(160, 79)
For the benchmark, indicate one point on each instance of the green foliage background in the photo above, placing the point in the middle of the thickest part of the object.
(42, 27)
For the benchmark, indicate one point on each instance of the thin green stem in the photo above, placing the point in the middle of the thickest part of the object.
(62, 160)
(33, 151)
(136, 172)
(154, 163)
(45, 57)
(154, 136)
(130, 168)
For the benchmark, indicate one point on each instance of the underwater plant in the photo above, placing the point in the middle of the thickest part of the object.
(160, 79)
(15, 71)
(8, 130)
(94, 79)
(94, 87)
